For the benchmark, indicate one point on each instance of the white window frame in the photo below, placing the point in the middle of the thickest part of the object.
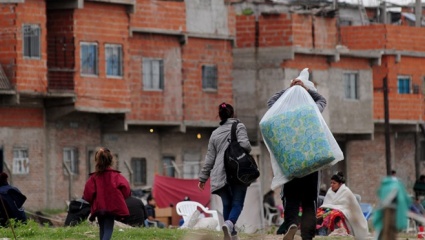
(110, 50)
(31, 33)
(153, 81)
(96, 60)
(191, 165)
(70, 158)
(21, 162)
(349, 79)
(206, 86)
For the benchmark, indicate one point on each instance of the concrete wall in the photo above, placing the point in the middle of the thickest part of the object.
(206, 16)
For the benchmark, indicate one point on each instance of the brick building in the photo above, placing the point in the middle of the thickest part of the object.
(141, 77)
(348, 64)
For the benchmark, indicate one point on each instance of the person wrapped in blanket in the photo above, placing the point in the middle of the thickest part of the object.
(340, 213)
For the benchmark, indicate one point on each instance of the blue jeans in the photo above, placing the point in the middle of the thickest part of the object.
(106, 226)
(233, 197)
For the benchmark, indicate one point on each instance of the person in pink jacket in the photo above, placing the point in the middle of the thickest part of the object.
(106, 191)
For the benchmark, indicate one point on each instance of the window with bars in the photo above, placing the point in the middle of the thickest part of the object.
(403, 84)
(31, 39)
(88, 58)
(191, 164)
(70, 159)
(113, 58)
(168, 166)
(21, 162)
(138, 165)
(351, 85)
(153, 74)
(209, 77)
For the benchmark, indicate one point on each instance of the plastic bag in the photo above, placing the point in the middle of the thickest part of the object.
(297, 137)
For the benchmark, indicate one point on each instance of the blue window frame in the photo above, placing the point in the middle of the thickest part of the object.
(403, 84)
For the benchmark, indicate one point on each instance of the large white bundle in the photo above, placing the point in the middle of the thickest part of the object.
(297, 137)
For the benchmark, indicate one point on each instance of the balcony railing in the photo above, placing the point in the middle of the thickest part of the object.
(61, 63)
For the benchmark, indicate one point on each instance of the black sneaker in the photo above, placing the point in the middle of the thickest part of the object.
(291, 232)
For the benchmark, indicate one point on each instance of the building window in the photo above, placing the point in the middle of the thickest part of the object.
(21, 163)
(113, 58)
(88, 58)
(403, 84)
(191, 164)
(209, 77)
(351, 85)
(70, 160)
(168, 165)
(153, 74)
(31, 36)
(138, 165)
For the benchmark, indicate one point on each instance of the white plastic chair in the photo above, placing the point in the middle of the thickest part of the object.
(187, 208)
(271, 215)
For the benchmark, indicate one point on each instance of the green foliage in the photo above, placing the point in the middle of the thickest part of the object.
(247, 11)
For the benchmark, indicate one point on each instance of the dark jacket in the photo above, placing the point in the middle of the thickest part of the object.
(106, 192)
(13, 201)
(137, 211)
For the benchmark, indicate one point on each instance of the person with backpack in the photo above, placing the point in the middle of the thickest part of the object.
(232, 193)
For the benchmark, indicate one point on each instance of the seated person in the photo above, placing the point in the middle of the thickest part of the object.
(150, 211)
(137, 212)
(13, 201)
(419, 186)
(340, 209)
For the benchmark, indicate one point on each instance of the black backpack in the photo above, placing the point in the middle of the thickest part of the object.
(240, 166)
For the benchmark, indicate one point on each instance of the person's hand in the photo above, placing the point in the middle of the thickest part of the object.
(201, 185)
(298, 82)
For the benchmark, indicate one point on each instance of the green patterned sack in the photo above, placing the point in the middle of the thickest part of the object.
(297, 140)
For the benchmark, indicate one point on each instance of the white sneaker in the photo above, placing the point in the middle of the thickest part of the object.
(227, 229)
(291, 232)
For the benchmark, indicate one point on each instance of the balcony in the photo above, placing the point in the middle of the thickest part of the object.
(61, 63)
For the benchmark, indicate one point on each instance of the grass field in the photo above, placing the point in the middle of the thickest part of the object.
(86, 230)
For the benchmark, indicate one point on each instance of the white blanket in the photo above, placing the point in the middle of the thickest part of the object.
(345, 201)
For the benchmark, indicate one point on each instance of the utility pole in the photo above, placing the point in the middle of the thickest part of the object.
(418, 13)
(387, 127)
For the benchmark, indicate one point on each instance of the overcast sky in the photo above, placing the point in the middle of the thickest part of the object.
(376, 2)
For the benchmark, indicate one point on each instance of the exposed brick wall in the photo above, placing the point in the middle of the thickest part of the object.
(8, 41)
(166, 15)
(302, 30)
(383, 36)
(401, 106)
(166, 104)
(198, 104)
(405, 38)
(245, 31)
(275, 30)
(32, 184)
(31, 74)
(231, 20)
(85, 128)
(325, 33)
(364, 37)
(366, 163)
(102, 24)
(22, 117)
